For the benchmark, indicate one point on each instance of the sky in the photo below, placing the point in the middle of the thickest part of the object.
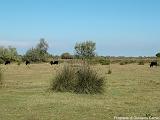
(118, 27)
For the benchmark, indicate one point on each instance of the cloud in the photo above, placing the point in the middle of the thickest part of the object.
(17, 44)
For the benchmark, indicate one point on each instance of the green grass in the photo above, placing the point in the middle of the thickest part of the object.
(131, 90)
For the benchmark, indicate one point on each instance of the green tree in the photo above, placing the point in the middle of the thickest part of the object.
(158, 54)
(85, 49)
(39, 53)
(9, 53)
(42, 46)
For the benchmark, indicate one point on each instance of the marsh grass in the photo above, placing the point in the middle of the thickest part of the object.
(88, 81)
(82, 79)
(64, 80)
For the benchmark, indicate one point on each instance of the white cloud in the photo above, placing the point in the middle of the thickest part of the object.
(19, 44)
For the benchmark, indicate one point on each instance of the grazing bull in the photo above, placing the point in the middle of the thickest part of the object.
(7, 62)
(153, 63)
(55, 62)
(27, 62)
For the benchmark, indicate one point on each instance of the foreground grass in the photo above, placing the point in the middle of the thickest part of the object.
(131, 90)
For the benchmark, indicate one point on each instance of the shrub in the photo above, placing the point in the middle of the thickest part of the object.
(19, 62)
(104, 62)
(141, 63)
(64, 80)
(127, 61)
(1, 61)
(101, 61)
(109, 71)
(123, 63)
(79, 80)
(88, 81)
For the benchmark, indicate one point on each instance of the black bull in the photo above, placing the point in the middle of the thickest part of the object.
(153, 64)
(55, 62)
(7, 62)
(27, 62)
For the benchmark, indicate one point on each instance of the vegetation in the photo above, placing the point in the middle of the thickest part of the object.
(1, 61)
(104, 62)
(109, 71)
(80, 80)
(9, 53)
(88, 81)
(85, 49)
(99, 60)
(1, 81)
(141, 62)
(127, 61)
(39, 53)
(66, 56)
(158, 54)
(64, 80)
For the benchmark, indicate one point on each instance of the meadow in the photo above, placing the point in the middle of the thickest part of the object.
(131, 90)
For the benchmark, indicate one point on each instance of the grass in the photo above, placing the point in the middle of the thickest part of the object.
(1, 78)
(131, 90)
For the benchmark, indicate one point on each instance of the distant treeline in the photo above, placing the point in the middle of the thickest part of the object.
(82, 51)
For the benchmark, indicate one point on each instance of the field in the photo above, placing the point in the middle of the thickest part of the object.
(131, 90)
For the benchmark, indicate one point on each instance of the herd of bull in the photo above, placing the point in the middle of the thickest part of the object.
(153, 63)
(28, 62)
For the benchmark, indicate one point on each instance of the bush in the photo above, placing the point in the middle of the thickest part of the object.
(64, 80)
(104, 62)
(79, 80)
(88, 81)
(123, 63)
(128, 61)
(19, 62)
(97, 60)
(141, 63)
(1, 61)
(109, 71)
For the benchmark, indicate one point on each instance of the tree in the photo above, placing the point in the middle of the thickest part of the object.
(42, 46)
(158, 54)
(9, 53)
(85, 49)
(39, 53)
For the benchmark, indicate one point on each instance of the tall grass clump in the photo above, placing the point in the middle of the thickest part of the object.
(64, 80)
(88, 81)
(82, 80)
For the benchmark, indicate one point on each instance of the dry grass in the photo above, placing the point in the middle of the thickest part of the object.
(131, 90)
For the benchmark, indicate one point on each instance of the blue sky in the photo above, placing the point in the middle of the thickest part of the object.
(119, 27)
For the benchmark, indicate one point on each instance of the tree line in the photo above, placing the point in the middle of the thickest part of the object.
(40, 53)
